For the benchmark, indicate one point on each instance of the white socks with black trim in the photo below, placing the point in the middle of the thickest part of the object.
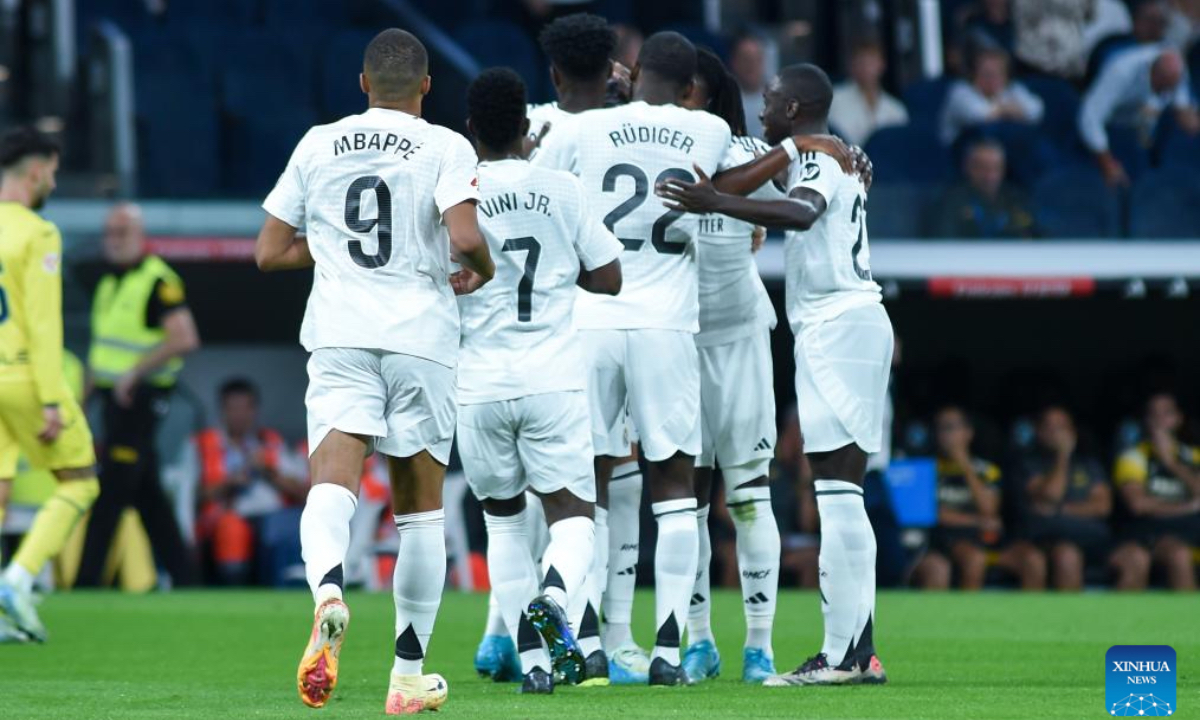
(624, 527)
(699, 624)
(758, 549)
(675, 558)
(417, 585)
(847, 564)
(514, 582)
(325, 538)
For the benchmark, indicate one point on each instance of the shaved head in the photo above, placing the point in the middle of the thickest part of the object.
(808, 86)
(1167, 71)
(395, 65)
(669, 56)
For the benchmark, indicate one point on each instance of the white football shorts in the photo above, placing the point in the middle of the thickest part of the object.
(541, 442)
(842, 370)
(406, 404)
(737, 401)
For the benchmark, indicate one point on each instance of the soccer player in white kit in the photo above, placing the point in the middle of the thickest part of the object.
(523, 412)
(579, 47)
(737, 402)
(385, 198)
(641, 343)
(843, 358)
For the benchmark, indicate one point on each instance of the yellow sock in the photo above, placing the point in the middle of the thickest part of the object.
(55, 521)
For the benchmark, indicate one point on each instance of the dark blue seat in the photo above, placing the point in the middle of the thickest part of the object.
(1075, 202)
(908, 154)
(1061, 119)
(225, 14)
(1174, 147)
(897, 211)
(286, 15)
(338, 91)
(700, 35)
(1027, 151)
(925, 98)
(1126, 146)
(176, 117)
(497, 42)
(257, 148)
(1165, 204)
(260, 71)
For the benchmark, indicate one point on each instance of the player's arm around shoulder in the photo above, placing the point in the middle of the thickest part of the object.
(598, 249)
(457, 197)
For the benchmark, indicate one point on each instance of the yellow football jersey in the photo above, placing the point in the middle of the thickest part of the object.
(31, 324)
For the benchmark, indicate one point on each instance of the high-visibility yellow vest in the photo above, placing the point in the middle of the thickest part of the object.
(120, 337)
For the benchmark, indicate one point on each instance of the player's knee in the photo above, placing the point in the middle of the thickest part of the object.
(80, 492)
(747, 503)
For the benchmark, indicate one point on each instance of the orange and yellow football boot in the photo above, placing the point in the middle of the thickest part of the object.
(318, 672)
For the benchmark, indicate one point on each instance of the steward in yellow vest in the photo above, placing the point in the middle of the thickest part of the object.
(141, 329)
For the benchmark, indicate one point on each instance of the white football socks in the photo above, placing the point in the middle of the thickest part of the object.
(568, 559)
(584, 606)
(515, 583)
(847, 548)
(699, 625)
(758, 549)
(624, 522)
(674, 573)
(417, 585)
(495, 621)
(325, 538)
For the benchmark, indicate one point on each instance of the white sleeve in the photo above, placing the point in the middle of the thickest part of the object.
(1100, 101)
(594, 243)
(816, 171)
(286, 199)
(728, 158)
(458, 177)
(559, 149)
(1030, 103)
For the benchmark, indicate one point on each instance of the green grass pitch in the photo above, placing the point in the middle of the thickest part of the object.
(219, 655)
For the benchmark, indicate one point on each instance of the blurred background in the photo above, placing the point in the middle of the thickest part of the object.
(1035, 224)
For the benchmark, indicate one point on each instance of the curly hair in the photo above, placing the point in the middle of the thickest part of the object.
(579, 45)
(496, 106)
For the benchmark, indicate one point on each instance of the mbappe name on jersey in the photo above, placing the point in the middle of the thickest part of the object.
(641, 134)
(379, 142)
(532, 202)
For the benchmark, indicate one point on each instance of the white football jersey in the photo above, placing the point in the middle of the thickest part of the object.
(620, 153)
(828, 267)
(541, 114)
(517, 334)
(733, 300)
(370, 190)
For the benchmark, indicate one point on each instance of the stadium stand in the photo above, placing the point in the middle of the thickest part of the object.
(1074, 202)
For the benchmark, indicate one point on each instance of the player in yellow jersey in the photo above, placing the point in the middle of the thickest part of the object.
(38, 415)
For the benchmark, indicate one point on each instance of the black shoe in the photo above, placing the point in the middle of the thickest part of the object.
(664, 673)
(537, 682)
(551, 623)
(596, 668)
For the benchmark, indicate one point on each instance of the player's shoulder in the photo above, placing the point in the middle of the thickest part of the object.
(26, 224)
(745, 148)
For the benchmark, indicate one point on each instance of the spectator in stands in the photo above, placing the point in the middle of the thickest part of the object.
(1183, 26)
(1110, 19)
(1159, 482)
(1049, 35)
(988, 22)
(748, 63)
(984, 206)
(1132, 91)
(861, 105)
(1067, 499)
(243, 480)
(969, 535)
(1148, 28)
(990, 96)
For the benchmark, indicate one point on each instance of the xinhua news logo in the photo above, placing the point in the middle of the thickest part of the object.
(1140, 681)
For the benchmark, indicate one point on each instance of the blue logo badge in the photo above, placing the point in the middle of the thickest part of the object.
(1140, 681)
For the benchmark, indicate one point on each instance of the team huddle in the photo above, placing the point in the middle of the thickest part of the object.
(573, 293)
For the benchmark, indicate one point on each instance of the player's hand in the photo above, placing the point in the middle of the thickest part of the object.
(466, 282)
(698, 197)
(125, 389)
(831, 145)
(757, 238)
(620, 83)
(863, 167)
(51, 424)
(529, 144)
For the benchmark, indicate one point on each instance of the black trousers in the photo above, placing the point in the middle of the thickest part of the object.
(129, 478)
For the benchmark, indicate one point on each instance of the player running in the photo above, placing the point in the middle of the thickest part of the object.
(737, 403)
(579, 47)
(385, 197)
(523, 412)
(39, 416)
(843, 357)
